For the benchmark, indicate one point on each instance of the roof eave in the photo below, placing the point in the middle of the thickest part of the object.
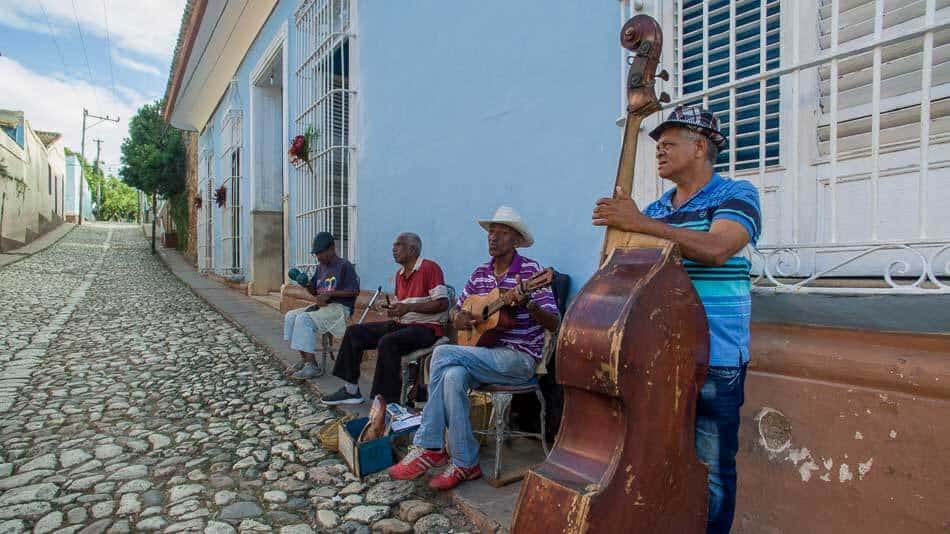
(191, 22)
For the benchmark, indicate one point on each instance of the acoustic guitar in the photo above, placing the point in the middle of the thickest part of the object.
(493, 316)
(632, 353)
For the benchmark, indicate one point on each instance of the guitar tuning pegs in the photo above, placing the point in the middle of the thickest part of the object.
(664, 97)
(663, 75)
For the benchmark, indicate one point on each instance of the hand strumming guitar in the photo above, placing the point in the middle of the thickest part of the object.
(464, 320)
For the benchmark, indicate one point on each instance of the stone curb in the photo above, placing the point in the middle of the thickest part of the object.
(473, 512)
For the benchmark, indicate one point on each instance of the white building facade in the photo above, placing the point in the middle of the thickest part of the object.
(31, 192)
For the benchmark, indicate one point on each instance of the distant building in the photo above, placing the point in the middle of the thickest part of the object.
(31, 192)
(71, 196)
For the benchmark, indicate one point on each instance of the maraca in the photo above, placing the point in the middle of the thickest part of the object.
(298, 276)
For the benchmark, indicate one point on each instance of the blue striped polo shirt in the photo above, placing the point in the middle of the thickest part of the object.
(723, 290)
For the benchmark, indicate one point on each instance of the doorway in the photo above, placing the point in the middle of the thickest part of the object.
(269, 181)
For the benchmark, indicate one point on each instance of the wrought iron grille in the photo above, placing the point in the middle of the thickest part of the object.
(324, 187)
(853, 120)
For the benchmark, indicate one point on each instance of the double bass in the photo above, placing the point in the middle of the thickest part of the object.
(632, 353)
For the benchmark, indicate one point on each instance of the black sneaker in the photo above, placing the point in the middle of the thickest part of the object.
(342, 397)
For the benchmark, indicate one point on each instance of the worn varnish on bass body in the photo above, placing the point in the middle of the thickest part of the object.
(632, 354)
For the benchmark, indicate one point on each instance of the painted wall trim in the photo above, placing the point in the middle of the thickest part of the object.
(912, 363)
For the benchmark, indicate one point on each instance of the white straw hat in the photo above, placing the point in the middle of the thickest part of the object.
(509, 217)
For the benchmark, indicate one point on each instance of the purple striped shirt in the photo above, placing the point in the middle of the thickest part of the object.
(527, 335)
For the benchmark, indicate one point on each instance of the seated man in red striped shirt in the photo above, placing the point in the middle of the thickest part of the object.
(416, 323)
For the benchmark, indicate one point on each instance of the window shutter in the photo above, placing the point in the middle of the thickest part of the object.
(901, 75)
(750, 39)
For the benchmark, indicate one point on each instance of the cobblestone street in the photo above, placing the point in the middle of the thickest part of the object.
(129, 405)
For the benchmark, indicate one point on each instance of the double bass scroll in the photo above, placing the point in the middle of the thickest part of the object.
(632, 353)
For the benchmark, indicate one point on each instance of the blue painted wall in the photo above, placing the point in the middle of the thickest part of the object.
(464, 106)
(468, 105)
(282, 13)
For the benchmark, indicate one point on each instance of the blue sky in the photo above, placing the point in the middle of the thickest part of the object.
(44, 70)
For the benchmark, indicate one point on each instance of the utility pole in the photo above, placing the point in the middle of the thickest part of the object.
(154, 216)
(95, 166)
(82, 152)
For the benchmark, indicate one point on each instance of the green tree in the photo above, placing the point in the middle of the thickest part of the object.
(153, 157)
(119, 202)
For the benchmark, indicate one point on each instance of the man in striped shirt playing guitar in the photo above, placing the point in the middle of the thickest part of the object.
(456, 369)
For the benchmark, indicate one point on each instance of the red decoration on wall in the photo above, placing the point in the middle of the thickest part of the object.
(221, 196)
(300, 148)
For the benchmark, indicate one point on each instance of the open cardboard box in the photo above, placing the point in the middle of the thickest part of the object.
(368, 457)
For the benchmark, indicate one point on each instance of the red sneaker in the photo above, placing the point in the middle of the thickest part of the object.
(416, 463)
(454, 475)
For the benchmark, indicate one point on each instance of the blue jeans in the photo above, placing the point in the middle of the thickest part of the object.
(453, 371)
(300, 330)
(717, 441)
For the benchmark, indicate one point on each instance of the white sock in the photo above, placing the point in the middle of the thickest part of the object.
(352, 389)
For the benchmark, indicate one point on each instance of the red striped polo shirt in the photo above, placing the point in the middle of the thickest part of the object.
(425, 283)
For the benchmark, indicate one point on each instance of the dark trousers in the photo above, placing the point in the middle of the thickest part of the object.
(717, 440)
(392, 341)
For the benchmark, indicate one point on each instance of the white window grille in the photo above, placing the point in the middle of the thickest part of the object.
(324, 189)
(860, 113)
(231, 137)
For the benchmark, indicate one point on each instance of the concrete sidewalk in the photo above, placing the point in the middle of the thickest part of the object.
(489, 508)
(37, 245)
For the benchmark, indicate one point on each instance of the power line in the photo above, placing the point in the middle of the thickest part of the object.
(109, 43)
(62, 58)
(85, 55)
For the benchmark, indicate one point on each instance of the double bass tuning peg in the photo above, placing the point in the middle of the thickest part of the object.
(664, 97)
(663, 75)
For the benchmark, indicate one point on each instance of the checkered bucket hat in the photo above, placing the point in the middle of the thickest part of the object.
(694, 118)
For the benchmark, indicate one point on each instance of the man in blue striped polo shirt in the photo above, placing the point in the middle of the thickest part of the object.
(712, 219)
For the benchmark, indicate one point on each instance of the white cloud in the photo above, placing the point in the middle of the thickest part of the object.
(14, 20)
(50, 103)
(149, 27)
(135, 65)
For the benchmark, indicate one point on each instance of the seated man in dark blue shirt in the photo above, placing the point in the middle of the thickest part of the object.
(335, 286)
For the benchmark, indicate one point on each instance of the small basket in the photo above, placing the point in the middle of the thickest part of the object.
(329, 435)
(480, 413)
